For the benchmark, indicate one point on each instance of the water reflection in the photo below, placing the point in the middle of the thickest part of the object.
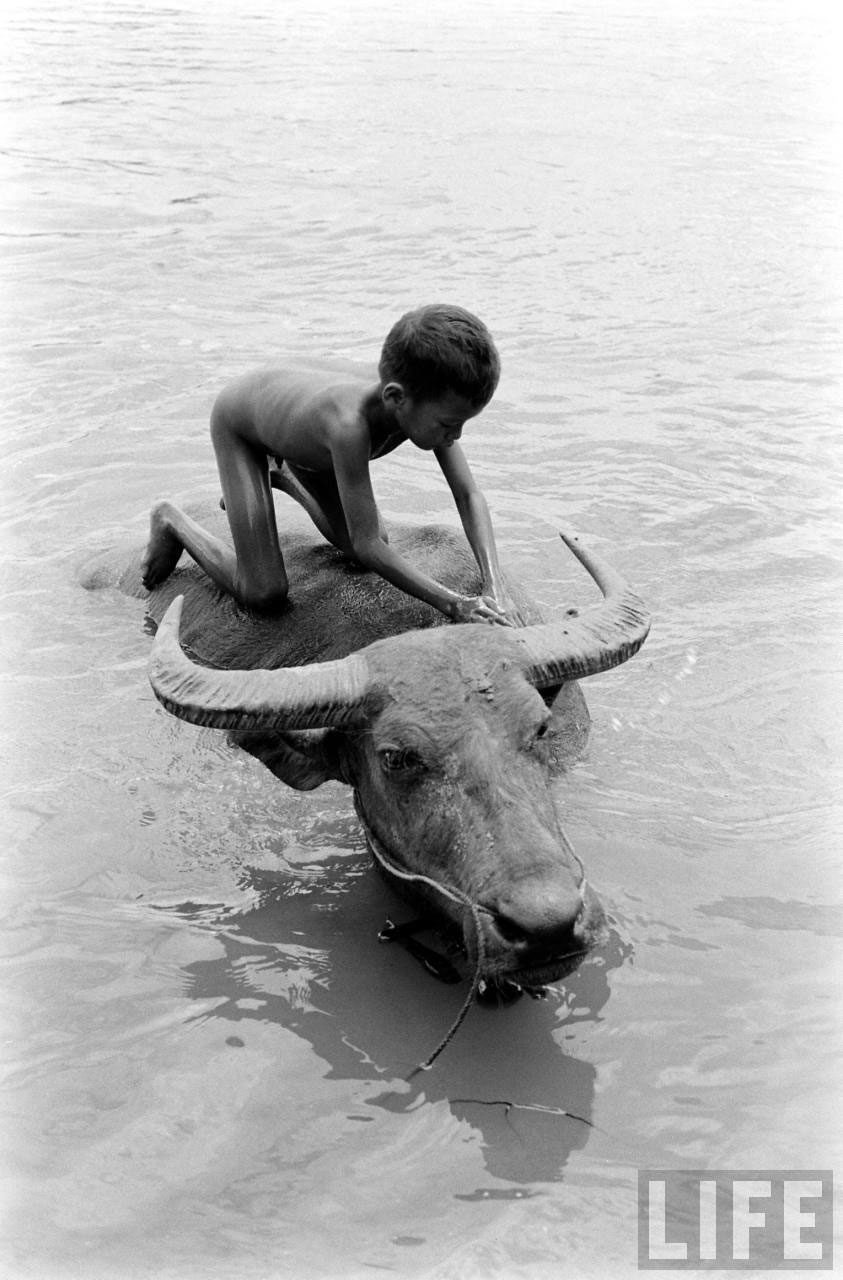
(305, 955)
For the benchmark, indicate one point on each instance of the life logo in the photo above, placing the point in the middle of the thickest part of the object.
(735, 1219)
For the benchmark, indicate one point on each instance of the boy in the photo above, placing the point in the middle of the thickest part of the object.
(438, 369)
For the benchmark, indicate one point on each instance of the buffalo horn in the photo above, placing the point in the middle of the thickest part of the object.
(599, 638)
(309, 697)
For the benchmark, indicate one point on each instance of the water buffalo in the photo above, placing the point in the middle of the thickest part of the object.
(449, 735)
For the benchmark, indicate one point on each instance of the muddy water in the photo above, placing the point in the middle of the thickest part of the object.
(207, 1043)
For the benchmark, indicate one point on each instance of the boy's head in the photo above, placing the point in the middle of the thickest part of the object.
(441, 348)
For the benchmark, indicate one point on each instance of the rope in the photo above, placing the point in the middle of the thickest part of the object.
(455, 895)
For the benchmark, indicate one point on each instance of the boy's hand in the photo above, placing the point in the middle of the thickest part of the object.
(479, 609)
(505, 605)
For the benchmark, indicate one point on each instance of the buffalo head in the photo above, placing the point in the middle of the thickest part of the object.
(449, 740)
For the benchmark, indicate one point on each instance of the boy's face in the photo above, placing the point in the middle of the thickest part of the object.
(431, 423)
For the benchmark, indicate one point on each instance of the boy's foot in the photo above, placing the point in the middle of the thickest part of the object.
(163, 550)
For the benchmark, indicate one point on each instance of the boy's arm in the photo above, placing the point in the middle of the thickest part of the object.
(351, 470)
(477, 523)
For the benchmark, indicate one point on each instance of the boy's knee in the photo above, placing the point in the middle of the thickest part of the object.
(266, 600)
(263, 592)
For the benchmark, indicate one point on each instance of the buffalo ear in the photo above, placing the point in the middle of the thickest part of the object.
(303, 759)
(549, 693)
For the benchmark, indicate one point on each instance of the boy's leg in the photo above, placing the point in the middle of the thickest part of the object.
(320, 499)
(170, 533)
(317, 492)
(254, 572)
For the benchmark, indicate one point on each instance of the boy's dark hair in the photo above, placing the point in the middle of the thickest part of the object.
(441, 348)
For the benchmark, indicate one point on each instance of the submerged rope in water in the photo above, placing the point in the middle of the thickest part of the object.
(467, 1003)
(525, 1106)
(456, 895)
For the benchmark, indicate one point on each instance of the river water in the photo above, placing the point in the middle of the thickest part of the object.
(207, 1048)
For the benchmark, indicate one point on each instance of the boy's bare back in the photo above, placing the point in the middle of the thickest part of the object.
(302, 416)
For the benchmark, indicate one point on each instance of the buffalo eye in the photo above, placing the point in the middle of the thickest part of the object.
(400, 760)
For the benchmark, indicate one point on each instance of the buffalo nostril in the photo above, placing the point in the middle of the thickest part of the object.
(539, 923)
(510, 930)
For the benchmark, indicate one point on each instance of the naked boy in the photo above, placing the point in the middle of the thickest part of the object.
(439, 368)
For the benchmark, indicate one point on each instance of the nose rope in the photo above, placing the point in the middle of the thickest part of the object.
(456, 895)
(583, 884)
